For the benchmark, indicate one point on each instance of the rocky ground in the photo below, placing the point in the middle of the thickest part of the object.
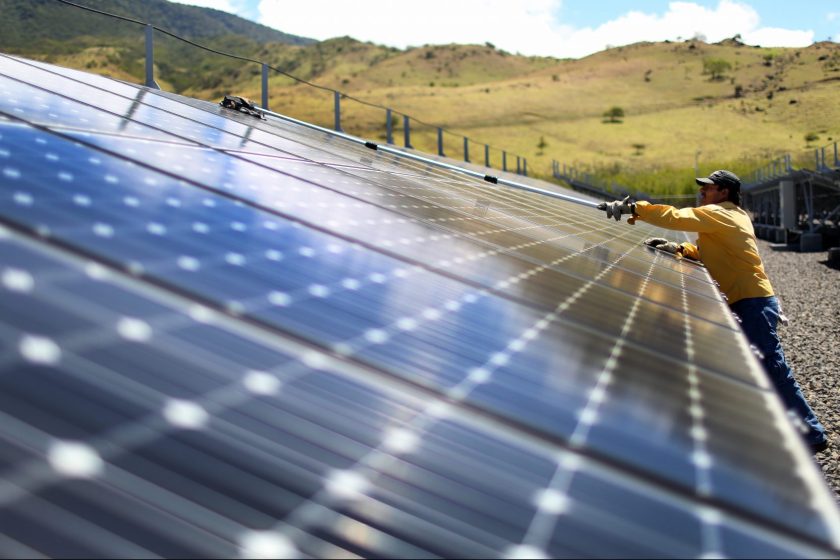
(809, 292)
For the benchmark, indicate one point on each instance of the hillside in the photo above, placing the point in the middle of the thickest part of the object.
(770, 101)
(716, 105)
(27, 23)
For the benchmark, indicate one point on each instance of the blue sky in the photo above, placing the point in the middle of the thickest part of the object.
(561, 28)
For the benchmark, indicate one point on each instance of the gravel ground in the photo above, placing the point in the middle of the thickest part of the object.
(809, 292)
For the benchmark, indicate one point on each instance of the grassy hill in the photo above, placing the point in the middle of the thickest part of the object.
(723, 105)
(26, 23)
(769, 102)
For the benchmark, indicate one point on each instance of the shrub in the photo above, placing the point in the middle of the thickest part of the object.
(716, 67)
(614, 115)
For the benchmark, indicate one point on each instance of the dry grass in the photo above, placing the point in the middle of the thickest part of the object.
(673, 109)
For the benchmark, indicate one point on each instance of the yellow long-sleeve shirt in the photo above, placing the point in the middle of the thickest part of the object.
(726, 244)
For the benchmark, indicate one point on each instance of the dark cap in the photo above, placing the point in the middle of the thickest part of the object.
(723, 179)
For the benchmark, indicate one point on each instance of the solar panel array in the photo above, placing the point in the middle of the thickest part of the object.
(229, 337)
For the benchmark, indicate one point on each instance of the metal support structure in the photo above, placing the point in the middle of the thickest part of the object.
(389, 127)
(836, 161)
(518, 165)
(525, 167)
(407, 131)
(440, 142)
(466, 149)
(787, 202)
(150, 57)
(486, 155)
(264, 85)
(504, 160)
(337, 110)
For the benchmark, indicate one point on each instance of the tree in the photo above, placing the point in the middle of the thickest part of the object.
(716, 67)
(541, 145)
(614, 115)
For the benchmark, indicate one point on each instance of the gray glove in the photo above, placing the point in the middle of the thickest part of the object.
(664, 244)
(617, 208)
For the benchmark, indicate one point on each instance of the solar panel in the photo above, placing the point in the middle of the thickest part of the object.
(224, 336)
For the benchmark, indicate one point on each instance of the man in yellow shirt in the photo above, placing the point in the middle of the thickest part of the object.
(726, 245)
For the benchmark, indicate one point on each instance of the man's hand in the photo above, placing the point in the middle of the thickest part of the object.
(617, 208)
(662, 243)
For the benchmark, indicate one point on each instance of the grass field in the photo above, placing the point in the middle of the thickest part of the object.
(765, 103)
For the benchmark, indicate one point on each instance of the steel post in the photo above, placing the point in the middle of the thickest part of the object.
(150, 57)
(265, 86)
(389, 127)
(337, 110)
(407, 131)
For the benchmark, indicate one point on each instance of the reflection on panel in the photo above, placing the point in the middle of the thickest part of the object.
(224, 337)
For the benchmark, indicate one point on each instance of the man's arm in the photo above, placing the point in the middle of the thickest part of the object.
(680, 219)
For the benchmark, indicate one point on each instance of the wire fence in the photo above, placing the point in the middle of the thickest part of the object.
(348, 113)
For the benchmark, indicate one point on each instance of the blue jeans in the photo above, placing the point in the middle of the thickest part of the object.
(759, 317)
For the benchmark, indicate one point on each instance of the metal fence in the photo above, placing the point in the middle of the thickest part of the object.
(416, 134)
(821, 160)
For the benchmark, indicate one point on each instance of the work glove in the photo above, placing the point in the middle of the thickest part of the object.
(662, 243)
(617, 208)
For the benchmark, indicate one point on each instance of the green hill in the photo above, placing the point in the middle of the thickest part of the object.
(26, 23)
(719, 105)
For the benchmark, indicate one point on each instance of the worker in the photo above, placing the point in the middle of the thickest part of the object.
(726, 245)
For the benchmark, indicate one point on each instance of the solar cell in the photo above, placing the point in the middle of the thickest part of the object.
(222, 337)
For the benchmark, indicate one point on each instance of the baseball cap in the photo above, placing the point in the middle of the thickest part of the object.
(722, 178)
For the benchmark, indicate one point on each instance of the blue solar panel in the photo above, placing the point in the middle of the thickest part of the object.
(228, 337)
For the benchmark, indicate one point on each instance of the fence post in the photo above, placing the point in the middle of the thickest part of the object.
(150, 57)
(407, 130)
(265, 86)
(440, 142)
(486, 155)
(525, 167)
(518, 166)
(389, 127)
(466, 149)
(337, 104)
(504, 160)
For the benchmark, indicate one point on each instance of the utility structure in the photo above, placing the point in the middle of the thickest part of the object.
(790, 205)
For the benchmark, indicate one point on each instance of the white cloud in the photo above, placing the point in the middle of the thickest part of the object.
(223, 5)
(532, 27)
(775, 37)
(519, 26)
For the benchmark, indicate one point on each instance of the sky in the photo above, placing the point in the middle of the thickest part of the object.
(559, 28)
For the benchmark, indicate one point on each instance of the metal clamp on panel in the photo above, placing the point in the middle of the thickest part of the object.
(491, 179)
(371, 145)
(242, 105)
